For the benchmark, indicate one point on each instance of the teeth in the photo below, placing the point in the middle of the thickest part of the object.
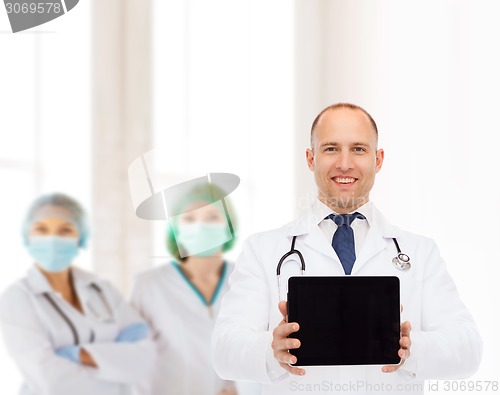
(345, 180)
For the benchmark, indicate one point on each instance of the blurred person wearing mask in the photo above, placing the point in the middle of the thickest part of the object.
(180, 300)
(69, 331)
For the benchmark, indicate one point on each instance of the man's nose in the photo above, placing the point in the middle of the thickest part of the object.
(344, 161)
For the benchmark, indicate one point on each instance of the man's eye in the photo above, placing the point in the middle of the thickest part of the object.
(359, 149)
(330, 149)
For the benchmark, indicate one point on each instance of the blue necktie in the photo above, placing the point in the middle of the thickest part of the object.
(343, 239)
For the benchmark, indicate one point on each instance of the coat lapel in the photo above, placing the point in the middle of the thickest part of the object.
(318, 242)
(380, 232)
(314, 238)
(37, 282)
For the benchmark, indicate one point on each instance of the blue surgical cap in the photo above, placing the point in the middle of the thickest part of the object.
(61, 206)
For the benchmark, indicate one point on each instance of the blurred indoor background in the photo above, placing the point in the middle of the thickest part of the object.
(233, 86)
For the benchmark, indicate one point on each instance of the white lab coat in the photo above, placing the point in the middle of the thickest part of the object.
(446, 343)
(32, 329)
(182, 324)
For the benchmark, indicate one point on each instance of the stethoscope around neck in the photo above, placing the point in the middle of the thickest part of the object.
(71, 325)
(401, 261)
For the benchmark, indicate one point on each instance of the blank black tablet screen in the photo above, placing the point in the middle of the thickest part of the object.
(347, 320)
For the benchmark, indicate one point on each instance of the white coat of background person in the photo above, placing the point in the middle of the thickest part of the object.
(180, 300)
(69, 331)
(439, 337)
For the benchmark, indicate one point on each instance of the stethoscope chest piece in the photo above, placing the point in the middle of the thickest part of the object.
(401, 261)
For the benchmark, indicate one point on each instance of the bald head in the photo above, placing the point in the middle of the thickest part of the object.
(338, 106)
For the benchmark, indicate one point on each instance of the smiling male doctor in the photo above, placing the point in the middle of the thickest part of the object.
(438, 337)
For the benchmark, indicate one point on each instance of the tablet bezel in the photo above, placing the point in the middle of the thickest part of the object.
(351, 287)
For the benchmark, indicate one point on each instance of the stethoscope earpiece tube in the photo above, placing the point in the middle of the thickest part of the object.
(76, 338)
(103, 298)
(72, 327)
(289, 253)
(284, 257)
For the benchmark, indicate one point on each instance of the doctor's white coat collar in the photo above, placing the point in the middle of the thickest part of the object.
(317, 211)
(380, 231)
(320, 211)
(39, 284)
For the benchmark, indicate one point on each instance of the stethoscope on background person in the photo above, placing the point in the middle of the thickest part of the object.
(64, 316)
(401, 261)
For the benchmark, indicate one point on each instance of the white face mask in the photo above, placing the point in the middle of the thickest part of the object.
(53, 253)
(201, 238)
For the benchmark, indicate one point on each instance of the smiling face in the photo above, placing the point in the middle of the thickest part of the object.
(344, 158)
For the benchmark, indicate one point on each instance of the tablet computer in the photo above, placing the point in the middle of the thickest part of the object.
(349, 320)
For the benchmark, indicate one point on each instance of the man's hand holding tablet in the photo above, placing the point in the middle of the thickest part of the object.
(335, 312)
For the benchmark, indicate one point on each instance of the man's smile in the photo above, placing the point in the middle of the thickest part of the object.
(343, 180)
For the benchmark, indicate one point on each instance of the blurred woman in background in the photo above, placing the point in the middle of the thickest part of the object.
(180, 300)
(69, 331)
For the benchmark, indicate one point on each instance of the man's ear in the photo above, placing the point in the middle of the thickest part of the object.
(379, 159)
(310, 159)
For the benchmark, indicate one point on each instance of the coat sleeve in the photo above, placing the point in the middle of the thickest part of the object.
(241, 341)
(123, 362)
(448, 344)
(29, 345)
